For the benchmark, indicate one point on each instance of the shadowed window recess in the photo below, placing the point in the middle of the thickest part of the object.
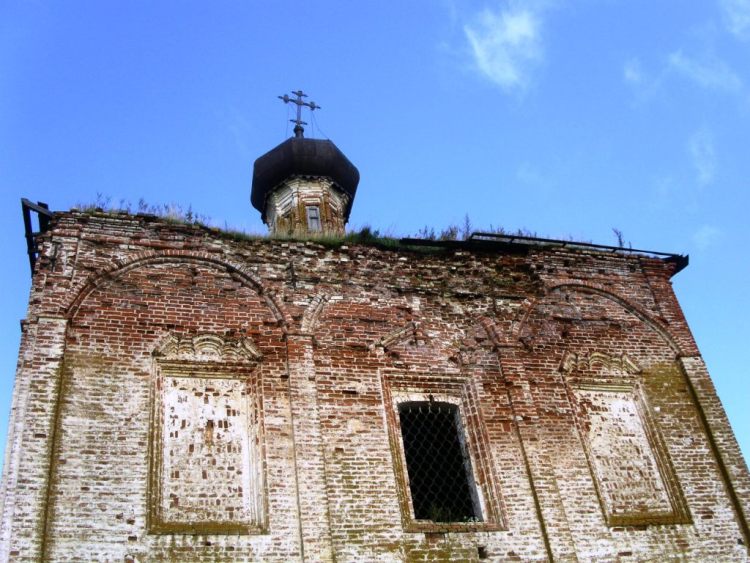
(441, 480)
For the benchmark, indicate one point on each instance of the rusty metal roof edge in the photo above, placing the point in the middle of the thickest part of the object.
(518, 243)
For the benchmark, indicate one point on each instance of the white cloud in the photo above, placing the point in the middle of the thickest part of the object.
(632, 72)
(506, 45)
(703, 156)
(713, 74)
(737, 17)
(645, 85)
(706, 236)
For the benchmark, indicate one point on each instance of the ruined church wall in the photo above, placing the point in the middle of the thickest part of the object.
(558, 359)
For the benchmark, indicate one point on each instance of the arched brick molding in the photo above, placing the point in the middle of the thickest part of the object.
(80, 291)
(657, 325)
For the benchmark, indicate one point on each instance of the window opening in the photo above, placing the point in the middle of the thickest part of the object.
(313, 218)
(440, 476)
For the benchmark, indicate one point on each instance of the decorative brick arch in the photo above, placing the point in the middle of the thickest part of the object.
(409, 332)
(312, 313)
(586, 287)
(82, 289)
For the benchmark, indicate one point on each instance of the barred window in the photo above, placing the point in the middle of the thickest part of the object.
(441, 479)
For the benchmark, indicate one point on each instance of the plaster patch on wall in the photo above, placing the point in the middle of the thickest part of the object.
(632, 473)
(206, 451)
(206, 472)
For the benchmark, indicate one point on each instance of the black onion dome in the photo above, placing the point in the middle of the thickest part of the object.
(298, 156)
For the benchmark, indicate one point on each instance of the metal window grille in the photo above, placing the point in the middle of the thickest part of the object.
(313, 218)
(440, 475)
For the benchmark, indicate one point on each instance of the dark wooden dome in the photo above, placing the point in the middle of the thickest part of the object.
(299, 156)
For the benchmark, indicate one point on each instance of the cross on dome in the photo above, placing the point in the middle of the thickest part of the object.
(298, 123)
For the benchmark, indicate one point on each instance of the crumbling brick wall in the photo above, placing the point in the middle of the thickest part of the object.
(187, 395)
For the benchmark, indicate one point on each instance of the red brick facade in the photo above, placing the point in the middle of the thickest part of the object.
(183, 395)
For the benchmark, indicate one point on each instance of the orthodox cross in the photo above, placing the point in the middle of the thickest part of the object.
(298, 123)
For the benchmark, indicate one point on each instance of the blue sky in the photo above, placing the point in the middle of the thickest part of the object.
(565, 118)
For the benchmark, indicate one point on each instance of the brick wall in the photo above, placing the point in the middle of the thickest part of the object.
(185, 395)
